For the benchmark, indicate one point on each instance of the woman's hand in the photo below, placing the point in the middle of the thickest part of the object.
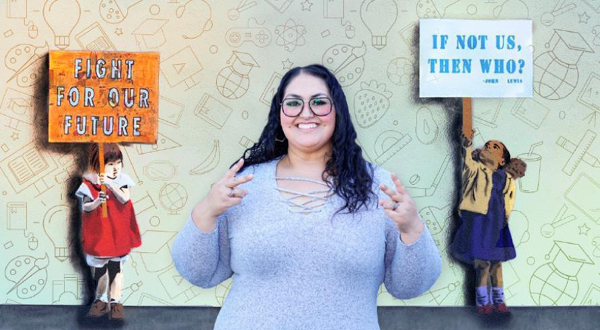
(402, 209)
(223, 194)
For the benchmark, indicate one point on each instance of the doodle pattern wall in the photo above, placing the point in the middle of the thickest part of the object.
(220, 64)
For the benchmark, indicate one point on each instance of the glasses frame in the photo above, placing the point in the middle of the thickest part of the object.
(309, 106)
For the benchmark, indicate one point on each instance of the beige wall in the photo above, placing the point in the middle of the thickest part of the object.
(204, 127)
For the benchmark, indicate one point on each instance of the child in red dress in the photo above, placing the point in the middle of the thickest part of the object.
(107, 241)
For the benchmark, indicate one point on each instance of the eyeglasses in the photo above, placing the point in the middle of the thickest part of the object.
(320, 106)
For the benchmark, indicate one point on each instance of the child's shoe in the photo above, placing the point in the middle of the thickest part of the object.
(501, 308)
(116, 311)
(99, 308)
(485, 309)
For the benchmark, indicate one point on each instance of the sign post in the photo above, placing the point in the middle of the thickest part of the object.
(102, 97)
(475, 58)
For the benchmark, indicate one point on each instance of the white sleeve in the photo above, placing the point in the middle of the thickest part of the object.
(124, 180)
(83, 191)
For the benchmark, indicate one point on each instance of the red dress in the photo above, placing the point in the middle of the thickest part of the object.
(113, 236)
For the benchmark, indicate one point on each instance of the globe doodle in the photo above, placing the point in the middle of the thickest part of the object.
(231, 84)
(173, 197)
(553, 79)
(555, 72)
(550, 287)
(290, 35)
(399, 71)
(233, 81)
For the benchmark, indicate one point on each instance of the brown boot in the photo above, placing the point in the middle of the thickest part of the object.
(116, 311)
(98, 309)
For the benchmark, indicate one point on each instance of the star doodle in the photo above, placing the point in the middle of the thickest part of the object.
(583, 17)
(15, 136)
(290, 35)
(583, 229)
(119, 31)
(306, 5)
(287, 64)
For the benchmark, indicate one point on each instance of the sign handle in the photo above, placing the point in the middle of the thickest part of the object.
(467, 120)
(103, 187)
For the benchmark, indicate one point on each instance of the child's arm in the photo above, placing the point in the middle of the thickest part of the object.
(468, 150)
(90, 205)
(122, 193)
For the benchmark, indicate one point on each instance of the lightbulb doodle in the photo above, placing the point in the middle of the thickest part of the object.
(56, 224)
(62, 16)
(379, 16)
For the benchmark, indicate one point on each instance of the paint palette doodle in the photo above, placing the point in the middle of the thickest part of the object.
(28, 274)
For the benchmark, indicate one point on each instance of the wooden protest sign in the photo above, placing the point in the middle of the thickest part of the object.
(103, 97)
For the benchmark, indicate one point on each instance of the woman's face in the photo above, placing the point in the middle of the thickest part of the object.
(308, 132)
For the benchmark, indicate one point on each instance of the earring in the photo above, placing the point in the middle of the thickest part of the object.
(278, 140)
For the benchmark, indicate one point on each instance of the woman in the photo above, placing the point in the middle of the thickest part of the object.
(305, 239)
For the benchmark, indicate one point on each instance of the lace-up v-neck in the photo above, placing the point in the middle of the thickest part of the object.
(317, 199)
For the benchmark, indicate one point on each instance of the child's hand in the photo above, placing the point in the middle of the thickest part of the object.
(104, 181)
(102, 198)
(475, 154)
(516, 167)
(467, 139)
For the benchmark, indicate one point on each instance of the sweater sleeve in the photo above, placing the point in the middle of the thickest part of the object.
(411, 269)
(203, 258)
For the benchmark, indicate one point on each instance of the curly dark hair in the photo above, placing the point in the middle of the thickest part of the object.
(347, 167)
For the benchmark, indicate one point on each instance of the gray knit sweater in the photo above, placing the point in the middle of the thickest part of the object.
(296, 271)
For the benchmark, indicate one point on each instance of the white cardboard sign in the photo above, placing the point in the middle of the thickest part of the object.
(475, 58)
